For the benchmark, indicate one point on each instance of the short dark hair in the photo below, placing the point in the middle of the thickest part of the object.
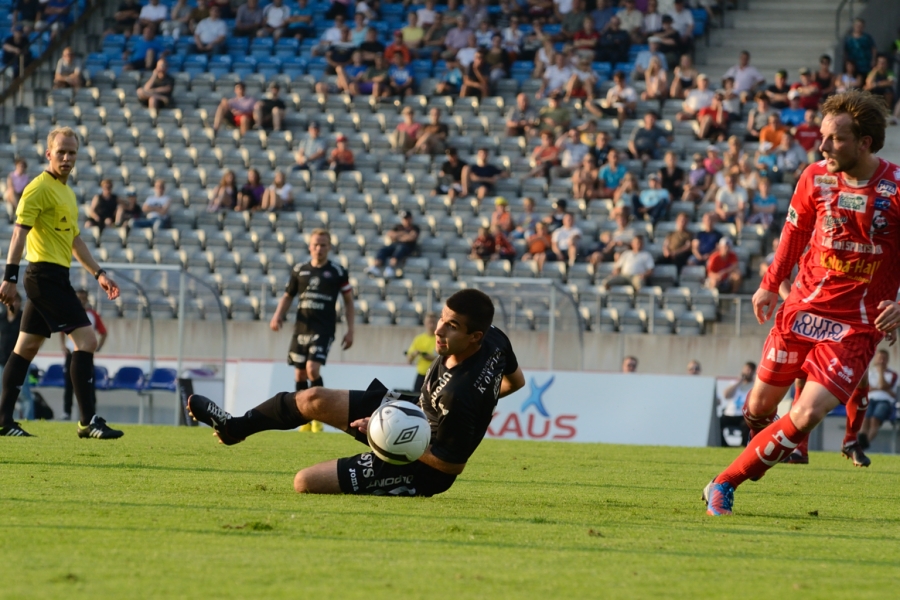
(750, 364)
(476, 306)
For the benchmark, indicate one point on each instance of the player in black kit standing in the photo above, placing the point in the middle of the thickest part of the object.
(318, 282)
(475, 366)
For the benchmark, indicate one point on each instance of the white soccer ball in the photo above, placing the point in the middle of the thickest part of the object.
(398, 432)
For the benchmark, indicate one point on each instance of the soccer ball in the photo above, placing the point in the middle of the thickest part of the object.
(398, 432)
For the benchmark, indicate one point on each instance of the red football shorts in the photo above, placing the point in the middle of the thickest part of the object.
(832, 353)
(237, 119)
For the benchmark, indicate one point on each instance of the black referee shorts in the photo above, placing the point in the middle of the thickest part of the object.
(52, 305)
(366, 474)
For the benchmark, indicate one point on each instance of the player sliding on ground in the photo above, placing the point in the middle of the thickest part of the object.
(846, 207)
(475, 366)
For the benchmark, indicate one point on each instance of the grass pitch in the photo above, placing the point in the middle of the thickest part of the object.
(169, 513)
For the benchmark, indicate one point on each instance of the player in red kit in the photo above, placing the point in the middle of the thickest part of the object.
(847, 209)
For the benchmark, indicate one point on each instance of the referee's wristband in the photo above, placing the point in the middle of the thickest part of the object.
(11, 273)
(99, 273)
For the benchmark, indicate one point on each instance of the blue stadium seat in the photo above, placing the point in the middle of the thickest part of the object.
(54, 376)
(101, 378)
(163, 380)
(128, 378)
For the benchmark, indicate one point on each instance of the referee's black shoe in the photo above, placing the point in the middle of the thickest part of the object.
(14, 430)
(204, 410)
(98, 428)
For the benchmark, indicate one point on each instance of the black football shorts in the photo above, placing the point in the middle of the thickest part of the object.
(51, 305)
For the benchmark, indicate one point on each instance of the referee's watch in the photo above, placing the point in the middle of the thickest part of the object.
(99, 273)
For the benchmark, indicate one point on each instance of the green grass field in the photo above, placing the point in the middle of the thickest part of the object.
(169, 513)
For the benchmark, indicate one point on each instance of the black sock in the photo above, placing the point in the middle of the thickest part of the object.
(300, 385)
(278, 412)
(14, 374)
(82, 374)
(317, 382)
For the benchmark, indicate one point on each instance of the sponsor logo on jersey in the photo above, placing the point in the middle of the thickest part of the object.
(831, 222)
(792, 216)
(856, 247)
(819, 328)
(858, 268)
(782, 357)
(896, 173)
(536, 424)
(886, 188)
(844, 372)
(879, 222)
(882, 204)
(854, 202)
(825, 180)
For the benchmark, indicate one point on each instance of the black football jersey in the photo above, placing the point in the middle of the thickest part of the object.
(460, 402)
(318, 289)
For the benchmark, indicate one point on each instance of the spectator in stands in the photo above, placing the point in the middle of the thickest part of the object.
(397, 47)
(794, 114)
(210, 33)
(544, 57)
(653, 203)
(586, 40)
(129, 211)
(571, 152)
(586, 180)
(731, 200)
(466, 55)
(602, 147)
(723, 270)
(371, 48)
(497, 59)
(152, 14)
(273, 20)
(452, 10)
(758, 116)
(583, 81)
(763, 205)
(670, 43)
(157, 91)
(643, 58)
(412, 34)
(237, 110)
(648, 139)
(705, 241)
(749, 179)
(491, 244)
(656, 82)
(338, 9)
(554, 117)
(629, 364)
(545, 156)
(450, 176)
(513, 38)
(477, 78)
(806, 89)
(825, 78)
(68, 71)
(481, 177)
(555, 219)
(556, 76)
(626, 195)
(16, 51)
(155, 208)
(300, 23)
(359, 30)
(400, 78)
(683, 23)
(521, 119)
(475, 12)
(613, 243)
(177, 23)
(880, 81)
(683, 78)
(614, 43)
(773, 132)
(450, 79)
(338, 55)
(671, 176)
(611, 174)
(268, 112)
(251, 193)
(279, 195)
(565, 240)
(676, 246)
(28, 14)
(248, 21)
(225, 195)
(539, 246)
(633, 266)
(433, 139)
(620, 102)
(224, 7)
(698, 180)
(427, 15)
(59, 16)
(15, 185)
(456, 39)
(747, 78)
(125, 17)
(484, 34)
(433, 41)
(632, 21)
(200, 12)
(792, 158)
(696, 100)
(809, 135)
(571, 21)
(501, 217)
(374, 80)
(693, 367)
(778, 91)
(311, 154)
(860, 47)
(850, 79)
(731, 102)
(145, 52)
(527, 222)
(882, 397)
(404, 238)
(712, 121)
(404, 137)
(341, 158)
(766, 162)
(422, 349)
(104, 206)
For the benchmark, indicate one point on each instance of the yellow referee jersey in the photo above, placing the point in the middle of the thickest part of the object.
(423, 343)
(50, 209)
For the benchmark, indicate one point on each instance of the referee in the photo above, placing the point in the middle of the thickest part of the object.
(47, 226)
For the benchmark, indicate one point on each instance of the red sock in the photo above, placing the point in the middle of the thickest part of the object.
(757, 424)
(803, 446)
(765, 450)
(856, 414)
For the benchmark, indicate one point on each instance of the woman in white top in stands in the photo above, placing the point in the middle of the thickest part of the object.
(278, 195)
(657, 82)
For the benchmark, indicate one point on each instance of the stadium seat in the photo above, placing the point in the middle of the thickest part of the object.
(162, 379)
(128, 378)
(54, 376)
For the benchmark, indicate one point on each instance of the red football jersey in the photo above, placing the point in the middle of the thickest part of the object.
(853, 235)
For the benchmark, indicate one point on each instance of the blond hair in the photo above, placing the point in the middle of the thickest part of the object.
(63, 131)
(868, 114)
(320, 231)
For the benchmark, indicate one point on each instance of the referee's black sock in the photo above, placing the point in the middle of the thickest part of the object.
(300, 385)
(14, 374)
(82, 374)
(317, 382)
(278, 412)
